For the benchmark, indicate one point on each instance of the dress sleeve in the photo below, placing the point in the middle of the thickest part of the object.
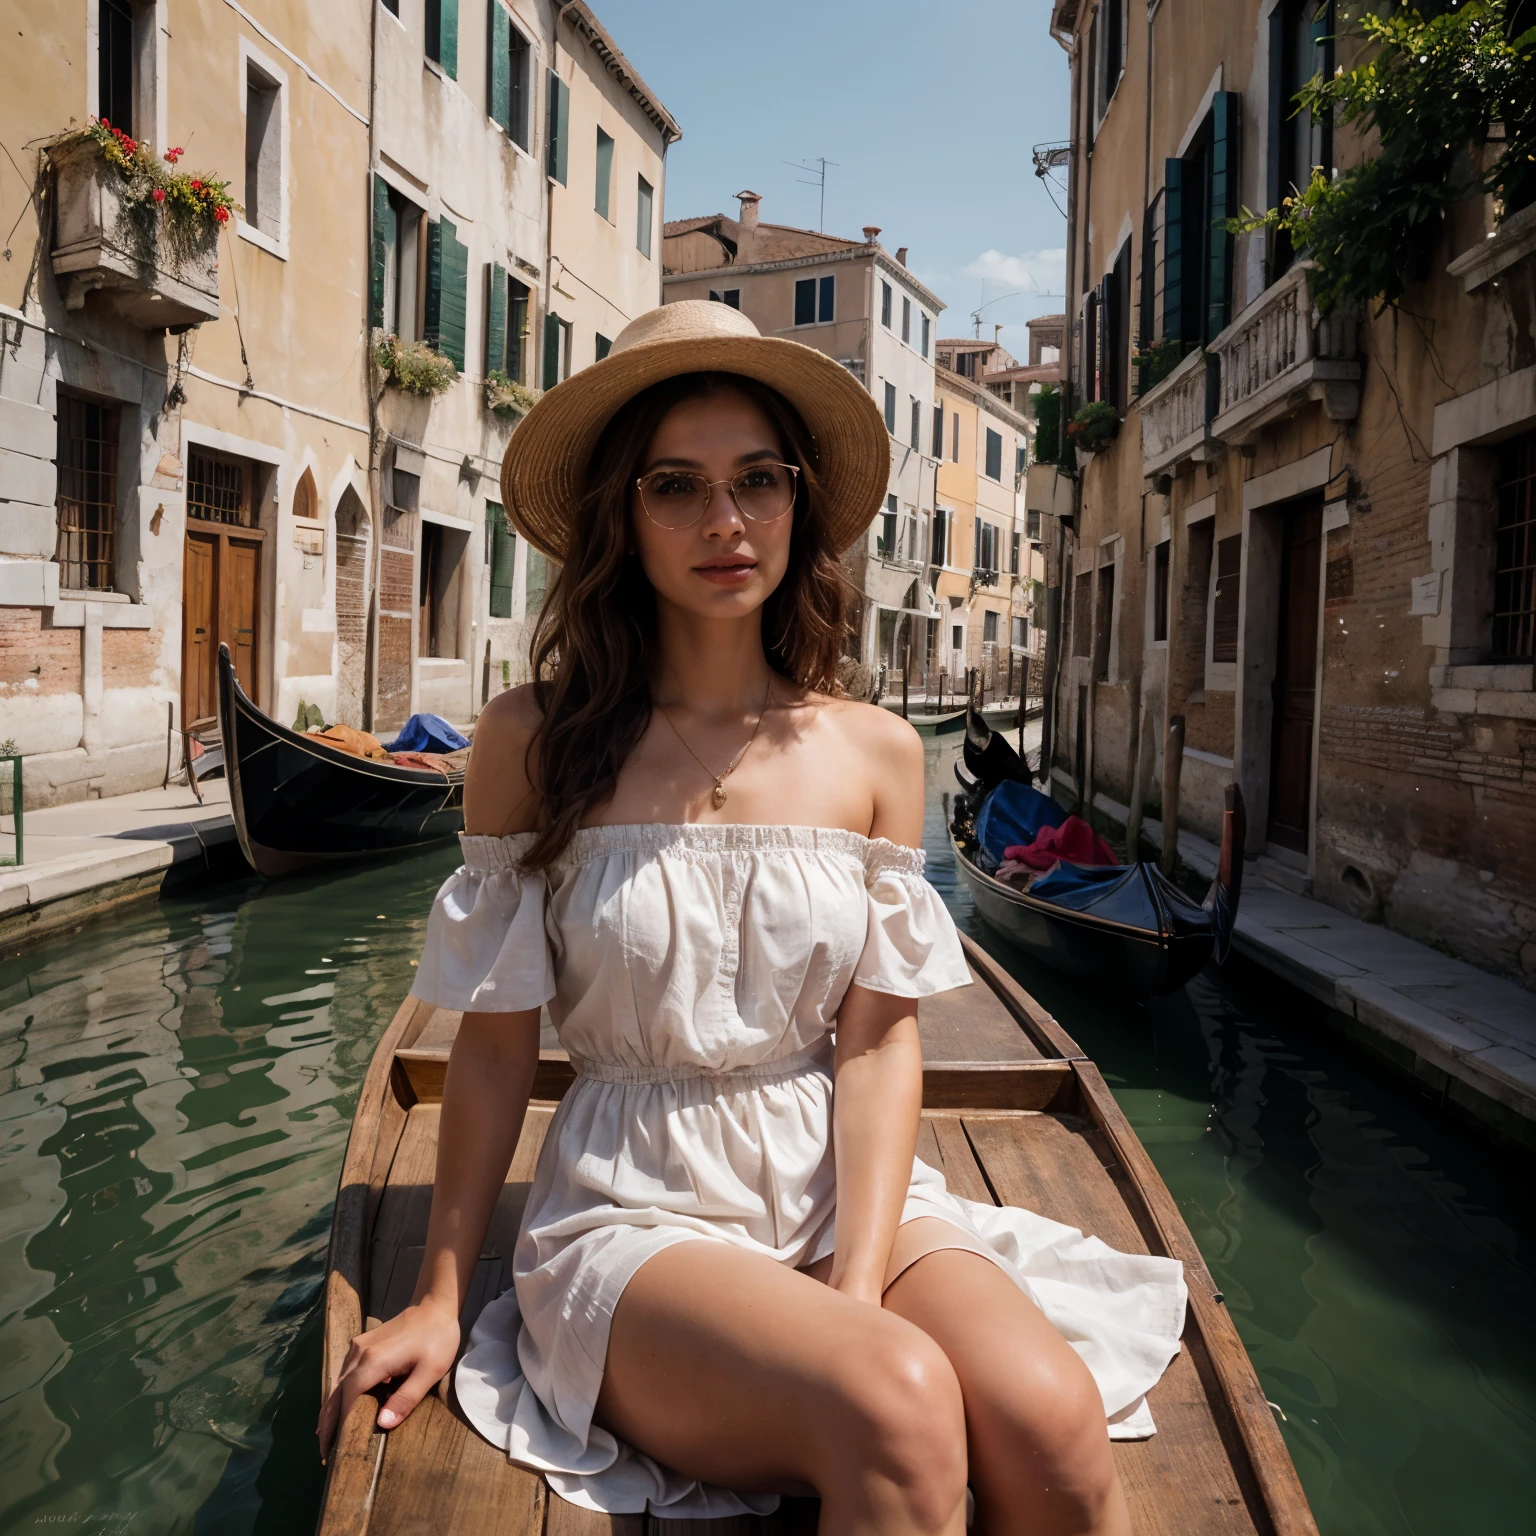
(486, 949)
(911, 948)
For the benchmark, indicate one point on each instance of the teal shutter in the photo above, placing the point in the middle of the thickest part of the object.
(495, 315)
(1173, 250)
(1226, 125)
(604, 172)
(448, 37)
(383, 229)
(498, 91)
(501, 557)
(453, 305)
(432, 310)
(551, 351)
(558, 150)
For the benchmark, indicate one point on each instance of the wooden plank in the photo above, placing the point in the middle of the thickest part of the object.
(1049, 1037)
(972, 1024)
(565, 1519)
(955, 1159)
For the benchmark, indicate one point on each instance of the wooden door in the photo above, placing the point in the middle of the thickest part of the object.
(200, 586)
(238, 607)
(1295, 685)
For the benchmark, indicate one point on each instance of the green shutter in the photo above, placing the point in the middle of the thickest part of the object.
(448, 37)
(558, 150)
(495, 315)
(501, 557)
(604, 172)
(1226, 124)
(1173, 250)
(551, 351)
(432, 310)
(498, 94)
(453, 306)
(383, 228)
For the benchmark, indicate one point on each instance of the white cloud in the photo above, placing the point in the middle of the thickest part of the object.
(1031, 272)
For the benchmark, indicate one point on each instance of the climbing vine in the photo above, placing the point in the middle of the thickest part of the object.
(1450, 93)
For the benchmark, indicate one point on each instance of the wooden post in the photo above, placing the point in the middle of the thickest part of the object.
(1140, 768)
(906, 674)
(1173, 765)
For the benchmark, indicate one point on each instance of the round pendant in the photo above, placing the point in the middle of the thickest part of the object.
(719, 795)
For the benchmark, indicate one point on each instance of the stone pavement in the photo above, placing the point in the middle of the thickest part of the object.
(92, 854)
(1467, 1034)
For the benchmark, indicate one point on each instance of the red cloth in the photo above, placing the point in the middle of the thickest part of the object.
(1074, 840)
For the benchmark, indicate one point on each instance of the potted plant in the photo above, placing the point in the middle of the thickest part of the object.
(1094, 427)
(412, 366)
(505, 397)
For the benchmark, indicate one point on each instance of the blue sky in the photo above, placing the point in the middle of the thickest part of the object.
(930, 111)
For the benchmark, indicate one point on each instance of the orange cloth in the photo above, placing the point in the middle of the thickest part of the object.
(344, 738)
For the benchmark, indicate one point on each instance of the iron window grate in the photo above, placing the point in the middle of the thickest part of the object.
(87, 494)
(216, 491)
(1514, 567)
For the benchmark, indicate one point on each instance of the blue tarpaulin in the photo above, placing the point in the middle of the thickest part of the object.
(426, 733)
(1012, 814)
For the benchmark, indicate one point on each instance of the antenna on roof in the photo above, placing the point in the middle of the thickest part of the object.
(818, 165)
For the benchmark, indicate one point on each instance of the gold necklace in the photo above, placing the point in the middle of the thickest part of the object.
(719, 778)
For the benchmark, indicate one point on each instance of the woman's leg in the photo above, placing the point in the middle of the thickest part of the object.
(1040, 1458)
(734, 1369)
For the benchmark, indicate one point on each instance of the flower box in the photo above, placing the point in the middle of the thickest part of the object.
(153, 277)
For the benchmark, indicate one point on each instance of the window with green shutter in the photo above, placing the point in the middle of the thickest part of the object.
(604, 190)
(517, 330)
(383, 243)
(498, 53)
(447, 290)
(551, 372)
(645, 218)
(1226, 121)
(557, 155)
(495, 315)
(443, 35)
(500, 559)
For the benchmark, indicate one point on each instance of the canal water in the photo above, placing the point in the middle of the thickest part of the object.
(176, 1086)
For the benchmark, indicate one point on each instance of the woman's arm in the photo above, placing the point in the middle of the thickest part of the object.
(878, 1066)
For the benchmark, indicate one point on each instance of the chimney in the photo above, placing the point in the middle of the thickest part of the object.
(749, 202)
(871, 232)
(901, 254)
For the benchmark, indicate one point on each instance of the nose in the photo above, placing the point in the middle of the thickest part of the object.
(722, 517)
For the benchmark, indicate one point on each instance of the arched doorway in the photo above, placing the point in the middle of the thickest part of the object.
(351, 607)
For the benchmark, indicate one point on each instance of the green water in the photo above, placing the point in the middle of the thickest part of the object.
(177, 1088)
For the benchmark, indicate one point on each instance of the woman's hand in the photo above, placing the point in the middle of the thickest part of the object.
(419, 1344)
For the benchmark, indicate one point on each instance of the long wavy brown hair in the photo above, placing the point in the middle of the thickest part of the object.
(594, 648)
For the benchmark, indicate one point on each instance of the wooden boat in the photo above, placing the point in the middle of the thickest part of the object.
(1136, 932)
(297, 804)
(932, 722)
(1013, 1112)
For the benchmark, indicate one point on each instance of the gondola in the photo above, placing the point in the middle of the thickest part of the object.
(1013, 1113)
(1127, 928)
(298, 805)
(932, 722)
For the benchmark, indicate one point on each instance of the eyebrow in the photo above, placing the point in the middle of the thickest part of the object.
(755, 457)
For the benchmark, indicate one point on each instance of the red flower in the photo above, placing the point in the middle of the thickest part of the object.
(104, 123)
(197, 186)
(222, 215)
(159, 194)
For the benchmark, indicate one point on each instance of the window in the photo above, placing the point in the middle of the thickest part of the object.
(114, 63)
(500, 559)
(1160, 591)
(911, 534)
(1112, 337)
(906, 319)
(557, 149)
(392, 6)
(940, 552)
(1108, 58)
(87, 494)
(443, 35)
(826, 295)
(222, 490)
(917, 425)
(604, 192)
(927, 334)
(395, 281)
(506, 323)
(1301, 42)
(645, 217)
(557, 350)
(1020, 461)
(938, 431)
(1020, 633)
(1104, 619)
(885, 303)
(1514, 560)
(1229, 561)
(984, 554)
(509, 88)
(1082, 613)
(805, 301)
(954, 439)
(890, 409)
(1032, 526)
(1013, 566)
(445, 306)
(956, 637)
(603, 346)
(731, 296)
(989, 627)
(1200, 193)
(994, 455)
(885, 543)
(263, 152)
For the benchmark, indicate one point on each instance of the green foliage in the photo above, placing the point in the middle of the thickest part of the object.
(413, 366)
(309, 718)
(153, 180)
(1438, 86)
(1047, 406)
(1157, 362)
(1094, 426)
(504, 396)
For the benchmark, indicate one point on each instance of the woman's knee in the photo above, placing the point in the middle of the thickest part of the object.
(901, 1419)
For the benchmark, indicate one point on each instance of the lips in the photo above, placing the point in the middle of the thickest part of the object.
(726, 570)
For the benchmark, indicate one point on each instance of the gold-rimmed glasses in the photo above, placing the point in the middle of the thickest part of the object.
(678, 498)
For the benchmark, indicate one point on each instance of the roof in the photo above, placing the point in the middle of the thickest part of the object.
(1036, 373)
(582, 19)
(770, 242)
(958, 384)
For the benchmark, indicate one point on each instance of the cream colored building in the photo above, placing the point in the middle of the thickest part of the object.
(195, 445)
(859, 304)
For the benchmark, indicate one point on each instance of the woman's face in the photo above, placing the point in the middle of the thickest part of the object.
(726, 564)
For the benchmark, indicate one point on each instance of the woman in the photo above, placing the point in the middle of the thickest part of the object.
(733, 1277)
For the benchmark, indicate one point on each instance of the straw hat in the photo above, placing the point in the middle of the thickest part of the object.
(543, 470)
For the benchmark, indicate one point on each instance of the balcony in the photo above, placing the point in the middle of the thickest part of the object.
(100, 244)
(1176, 416)
(1280, 352)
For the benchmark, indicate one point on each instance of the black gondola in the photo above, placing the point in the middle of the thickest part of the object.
(1129, 929)
(297, 804)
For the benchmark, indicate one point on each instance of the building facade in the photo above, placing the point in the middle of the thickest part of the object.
(198, 441)
(1310, 537)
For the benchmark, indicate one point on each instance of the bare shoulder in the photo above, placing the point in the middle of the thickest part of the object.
(498, 796)
(889, 757)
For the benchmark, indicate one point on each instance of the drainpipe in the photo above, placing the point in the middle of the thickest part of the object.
(375, 486)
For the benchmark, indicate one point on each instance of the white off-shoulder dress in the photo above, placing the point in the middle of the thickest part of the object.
(694, 973)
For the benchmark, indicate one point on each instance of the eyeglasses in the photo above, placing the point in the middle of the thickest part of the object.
(678, 498)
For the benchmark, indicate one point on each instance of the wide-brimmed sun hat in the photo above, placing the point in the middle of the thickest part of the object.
(543, 472)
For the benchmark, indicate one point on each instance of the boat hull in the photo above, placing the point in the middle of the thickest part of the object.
(299, 806)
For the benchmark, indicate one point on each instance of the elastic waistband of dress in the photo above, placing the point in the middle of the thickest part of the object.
(813, 1058)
